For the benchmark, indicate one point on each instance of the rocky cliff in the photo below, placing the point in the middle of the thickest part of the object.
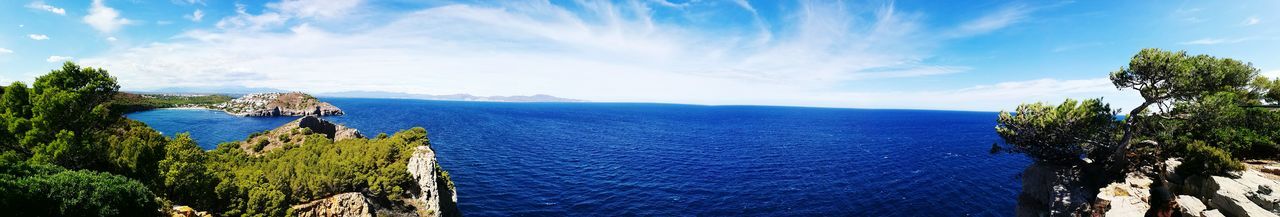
(436, 195)
(296, 131)
(1252, 192)
(430, 192)
(278, 104)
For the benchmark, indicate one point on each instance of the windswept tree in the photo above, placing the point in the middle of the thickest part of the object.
(1162, 76)
(1059, 134)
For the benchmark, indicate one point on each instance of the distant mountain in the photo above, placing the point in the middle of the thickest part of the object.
(451, 97)
(231, 90)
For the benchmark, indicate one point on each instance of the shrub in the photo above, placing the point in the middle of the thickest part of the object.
(48, 190)
(1202, 159)
(1057, 134)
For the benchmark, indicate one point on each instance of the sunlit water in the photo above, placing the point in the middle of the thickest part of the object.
(602, 159)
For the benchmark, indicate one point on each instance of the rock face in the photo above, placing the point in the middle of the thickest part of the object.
(344, 204)
(1048, 190)
(1246, 196)
(295, 132)
(436, 195)
(1190, 206)
(1128, 198)
(278, 104)
(333, 131)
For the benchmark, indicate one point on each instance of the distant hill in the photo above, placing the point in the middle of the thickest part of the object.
(230, 90)
(451, 97)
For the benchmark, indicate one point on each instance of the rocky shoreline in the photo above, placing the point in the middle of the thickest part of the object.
(277, 104)
(1049, 190)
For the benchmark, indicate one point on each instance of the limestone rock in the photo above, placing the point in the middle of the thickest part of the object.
(186, 211)
(1232, 198)
(1190, 206)
(295, 132)
(344, 204)
(436, 195)
(1049, 190)
(1127, 198)
(1211, 213)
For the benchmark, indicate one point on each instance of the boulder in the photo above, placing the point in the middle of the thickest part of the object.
(1233, 198)
(344, 204)
(1127, 198)
(436, 195)
(1190, 206)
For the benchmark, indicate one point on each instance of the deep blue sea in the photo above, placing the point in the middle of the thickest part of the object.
(625, 159)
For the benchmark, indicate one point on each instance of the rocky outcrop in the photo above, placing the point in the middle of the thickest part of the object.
(332, 131)
(436, 195)
(1244, 196)
(186, 211)
(344, 204)
(1050, 190)
(1128, 198)
(278, 104)
(295, 132)
(1190, 206)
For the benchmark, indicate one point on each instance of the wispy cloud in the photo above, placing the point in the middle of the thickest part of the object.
(5, 51)
(54, 59)
(46, 7)
(195, 16)
(104, 19)
(1253, 20)
(38, 37)
(1213, 41)
(598, 51)
(1001, 18)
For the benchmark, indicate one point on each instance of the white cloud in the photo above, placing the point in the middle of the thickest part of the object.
(195, 16)
(1213, 41)
(1273, 74)
(111, 39)
(315, 8)
(42, 6)
(1004, 17)
(5, 51)
(163, 22)
(1251, 21)
(602, 52)
(54, 59)
(104, 19)
(38, 37)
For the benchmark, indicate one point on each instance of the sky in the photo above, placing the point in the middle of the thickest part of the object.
(970, 55)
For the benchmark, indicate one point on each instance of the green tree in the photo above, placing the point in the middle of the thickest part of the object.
(1059, 134)
(185, 177)
(1160, 76)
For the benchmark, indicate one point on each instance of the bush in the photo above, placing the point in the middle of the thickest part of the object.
(48, 190)
(1201, 159)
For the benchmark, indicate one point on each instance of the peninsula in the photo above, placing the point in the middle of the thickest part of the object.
(252, 105)
(277, 104)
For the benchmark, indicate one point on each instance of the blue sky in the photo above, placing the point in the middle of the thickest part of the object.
(971, 55)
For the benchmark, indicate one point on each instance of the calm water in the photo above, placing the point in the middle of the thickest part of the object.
(598, 159)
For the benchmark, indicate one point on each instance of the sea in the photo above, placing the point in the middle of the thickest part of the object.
(643, 159)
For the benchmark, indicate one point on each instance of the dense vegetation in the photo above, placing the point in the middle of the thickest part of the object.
(131, 102)
(1210, 111)
(65, 150)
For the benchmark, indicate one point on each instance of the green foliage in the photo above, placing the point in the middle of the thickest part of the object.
(47, 190)
(130, 102)
(1159, 74)
(1059, 134)
(1201, 159)
(317, 168)
(185, 178)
